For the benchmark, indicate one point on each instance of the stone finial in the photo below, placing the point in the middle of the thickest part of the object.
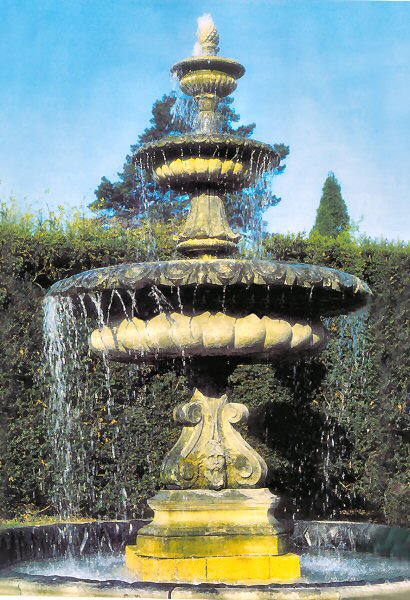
(208, 36)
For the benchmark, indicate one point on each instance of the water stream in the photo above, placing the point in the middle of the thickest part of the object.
(318, 566)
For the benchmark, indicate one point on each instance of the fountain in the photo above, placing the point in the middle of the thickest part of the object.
(214, 520)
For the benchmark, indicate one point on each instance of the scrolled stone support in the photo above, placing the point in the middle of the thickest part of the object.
(210, 453)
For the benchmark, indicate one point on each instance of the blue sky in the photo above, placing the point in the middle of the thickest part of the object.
(331, 79)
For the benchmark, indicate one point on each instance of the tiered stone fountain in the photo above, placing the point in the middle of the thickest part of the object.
(214, 520)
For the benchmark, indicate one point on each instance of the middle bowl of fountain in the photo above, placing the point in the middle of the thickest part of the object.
(225, 161)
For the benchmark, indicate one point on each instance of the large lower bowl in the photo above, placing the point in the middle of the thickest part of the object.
(226, 284)
(207, 334)
(227, 307)
(34, 543)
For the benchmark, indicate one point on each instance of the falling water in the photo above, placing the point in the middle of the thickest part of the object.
(74, 429)
(183, 112)
(63, 334)
(351, 352)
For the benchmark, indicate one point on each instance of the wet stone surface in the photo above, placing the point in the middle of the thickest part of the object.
(280, 287)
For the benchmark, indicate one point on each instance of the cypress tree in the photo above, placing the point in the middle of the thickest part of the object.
(332, 217)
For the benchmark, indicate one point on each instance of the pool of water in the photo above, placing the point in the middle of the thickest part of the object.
(322, 566)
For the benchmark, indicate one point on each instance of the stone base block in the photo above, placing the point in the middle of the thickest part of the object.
(227, 544)
(227, 536)
(243, 569)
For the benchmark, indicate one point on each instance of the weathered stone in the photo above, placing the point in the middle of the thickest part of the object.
(206, 334)
(181, 332)
(197, 325)
(249, 334)
(133, 335)
(278, 333)
(218, 332)
(216, 527)
(229, 536)
(284, 287)
(210, 453)
(159, 333)
(207, 225)
(301, 335)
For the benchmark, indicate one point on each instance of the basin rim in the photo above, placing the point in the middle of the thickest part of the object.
(341, 291)
(32, 584)
(197, 143)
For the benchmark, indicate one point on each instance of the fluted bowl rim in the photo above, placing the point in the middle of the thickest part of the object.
(341, 292)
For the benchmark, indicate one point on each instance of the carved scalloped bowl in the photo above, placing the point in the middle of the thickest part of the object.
(207, 82)
(207, 334)
(228, 161)
(287, 288)
(213, 307)
(208, 63)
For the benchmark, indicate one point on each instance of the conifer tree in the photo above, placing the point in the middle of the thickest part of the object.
(126, 199)
(332, 217)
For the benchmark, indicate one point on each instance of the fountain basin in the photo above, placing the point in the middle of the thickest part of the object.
(21, 544)
(228, 66)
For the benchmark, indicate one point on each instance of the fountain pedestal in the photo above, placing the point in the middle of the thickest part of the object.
(226, 536)
(215, 523)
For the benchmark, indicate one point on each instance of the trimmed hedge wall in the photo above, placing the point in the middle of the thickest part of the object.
(334, 429)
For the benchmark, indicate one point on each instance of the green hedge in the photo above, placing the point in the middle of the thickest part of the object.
(335, 428)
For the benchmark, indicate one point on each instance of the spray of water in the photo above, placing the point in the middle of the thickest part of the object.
(205, 25)
(63, 334)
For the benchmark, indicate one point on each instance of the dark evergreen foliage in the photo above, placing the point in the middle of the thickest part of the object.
(332, 217)
(128, 199)
(335, 429)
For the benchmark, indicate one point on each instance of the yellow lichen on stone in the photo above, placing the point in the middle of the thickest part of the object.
(211, 545)
(190, 166)
(301, 335)
(227, 166)
(227, 536)
(132, 335)
(285, 567)
(319, 335)
(181, 332)
(249, 333)
(215, 166)
(278, 333)
(239, 570)
(197, 325)
(166, 171)
(208, 334)
(201, 166)
(202, 169)
(159, 334)
(208, 82)
(177, 167)
(218, 332)
(162, 570)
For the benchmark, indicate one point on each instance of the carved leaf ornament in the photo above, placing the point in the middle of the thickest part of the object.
(210, 453)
